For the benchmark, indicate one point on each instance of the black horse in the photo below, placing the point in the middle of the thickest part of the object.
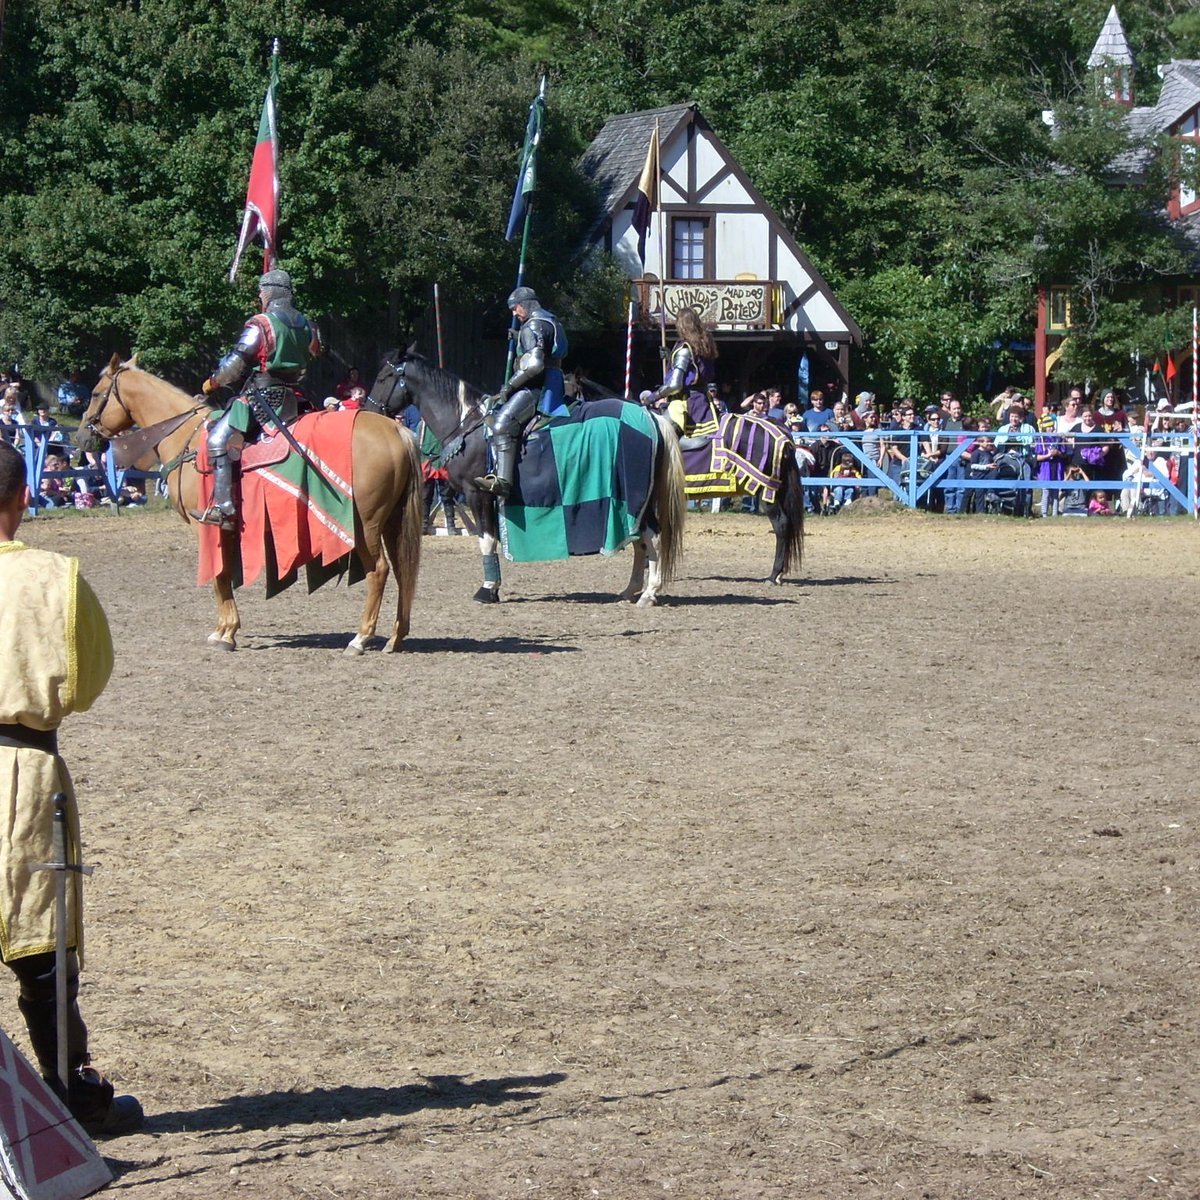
(453, 411)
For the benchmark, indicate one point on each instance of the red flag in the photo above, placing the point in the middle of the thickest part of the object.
(1157, 368)
(647, 194)
(262, 193)
(1172, 371)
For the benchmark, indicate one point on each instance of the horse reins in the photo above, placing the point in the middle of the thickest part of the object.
(165, 469)
(460, 432)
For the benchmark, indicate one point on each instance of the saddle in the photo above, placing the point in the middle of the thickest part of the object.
(265, 452)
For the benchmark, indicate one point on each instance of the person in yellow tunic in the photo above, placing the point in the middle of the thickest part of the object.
(57, 659)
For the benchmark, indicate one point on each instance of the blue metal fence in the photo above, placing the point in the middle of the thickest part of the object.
(37, 445)
(911, 491)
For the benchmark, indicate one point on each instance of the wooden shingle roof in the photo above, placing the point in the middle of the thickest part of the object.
(614, 160)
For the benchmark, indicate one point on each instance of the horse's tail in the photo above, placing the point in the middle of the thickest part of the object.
(412, 517)
(670, 503)
(790, 499)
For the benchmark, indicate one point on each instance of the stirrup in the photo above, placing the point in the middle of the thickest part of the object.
(214, 516)
(496, 484)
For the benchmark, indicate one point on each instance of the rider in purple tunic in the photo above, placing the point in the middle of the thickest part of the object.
(692, 372)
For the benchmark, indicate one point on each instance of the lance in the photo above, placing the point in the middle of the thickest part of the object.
(514, 324)
(62, 867)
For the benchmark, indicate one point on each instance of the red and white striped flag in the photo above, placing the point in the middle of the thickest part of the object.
(262, 193)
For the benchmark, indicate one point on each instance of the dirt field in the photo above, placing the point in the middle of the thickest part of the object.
(883, 883)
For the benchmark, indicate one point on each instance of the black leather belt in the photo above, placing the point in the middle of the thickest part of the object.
(21, 737)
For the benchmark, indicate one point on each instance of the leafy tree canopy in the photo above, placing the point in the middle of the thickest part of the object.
(901, 140)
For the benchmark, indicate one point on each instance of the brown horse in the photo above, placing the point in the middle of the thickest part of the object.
(387, 487)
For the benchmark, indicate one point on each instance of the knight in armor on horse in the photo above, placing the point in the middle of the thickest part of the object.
(537, 386)
(266, 363)
(693, 367)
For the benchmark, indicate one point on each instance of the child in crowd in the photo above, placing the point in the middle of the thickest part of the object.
(1098, 506)
(847, 469)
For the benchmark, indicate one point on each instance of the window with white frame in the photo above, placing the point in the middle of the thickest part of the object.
(689, 245)
(1189, 159)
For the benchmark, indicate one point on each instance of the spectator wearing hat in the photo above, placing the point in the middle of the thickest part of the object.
(1161, 419)
(331, 404)
(864, 403)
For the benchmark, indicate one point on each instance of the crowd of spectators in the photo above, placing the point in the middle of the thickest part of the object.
(63, 477)
(1079, 440)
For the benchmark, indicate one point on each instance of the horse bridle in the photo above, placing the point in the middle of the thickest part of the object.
(456, 440)
(113, 393)
(398, 381)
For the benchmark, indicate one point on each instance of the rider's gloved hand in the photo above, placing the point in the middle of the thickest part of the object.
(209, 386)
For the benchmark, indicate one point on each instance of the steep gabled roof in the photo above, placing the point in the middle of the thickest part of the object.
(615, 158)
(1180, 91)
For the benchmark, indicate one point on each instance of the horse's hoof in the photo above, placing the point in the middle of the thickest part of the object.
(774, 580)
(648, 601)
(487, 595)
(216, 642)
(354, 650)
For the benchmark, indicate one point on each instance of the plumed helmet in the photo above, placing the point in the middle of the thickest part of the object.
(523, 295)
(277, 282)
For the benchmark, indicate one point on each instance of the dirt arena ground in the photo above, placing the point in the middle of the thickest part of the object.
(882, 883)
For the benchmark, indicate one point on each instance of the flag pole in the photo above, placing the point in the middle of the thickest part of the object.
(260, 215)
(629, 350)
(525, 166)
(270, 255)
(662, 262)
(1195, 413)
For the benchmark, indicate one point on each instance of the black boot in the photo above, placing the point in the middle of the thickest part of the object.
(88, 1095)
(499, 481)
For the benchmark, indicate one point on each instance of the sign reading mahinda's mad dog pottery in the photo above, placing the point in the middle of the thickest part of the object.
(719, 304)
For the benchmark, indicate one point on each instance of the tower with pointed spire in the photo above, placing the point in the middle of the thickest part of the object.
(1112, 61)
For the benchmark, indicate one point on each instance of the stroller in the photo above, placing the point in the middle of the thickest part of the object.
(1005, 500)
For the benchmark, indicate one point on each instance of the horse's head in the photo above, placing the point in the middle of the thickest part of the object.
(389, 393)
(106, 414)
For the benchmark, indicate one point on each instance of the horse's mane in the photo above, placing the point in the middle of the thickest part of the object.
(448, 386)
(591, 389)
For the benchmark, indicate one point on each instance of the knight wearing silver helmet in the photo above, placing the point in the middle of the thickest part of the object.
(265, 366)
(537, 386)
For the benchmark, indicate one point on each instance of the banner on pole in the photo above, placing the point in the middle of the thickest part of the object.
(527, 175)
(262, 193)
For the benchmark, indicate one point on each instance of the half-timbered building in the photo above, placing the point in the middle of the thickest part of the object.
(715, 244)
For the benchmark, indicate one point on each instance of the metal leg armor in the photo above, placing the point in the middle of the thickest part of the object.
(222, 511)
(510, 420)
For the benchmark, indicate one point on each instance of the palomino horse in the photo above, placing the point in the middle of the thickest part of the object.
(386, 478)
(453, 411)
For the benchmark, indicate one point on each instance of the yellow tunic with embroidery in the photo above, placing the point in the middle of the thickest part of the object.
(57, 657)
